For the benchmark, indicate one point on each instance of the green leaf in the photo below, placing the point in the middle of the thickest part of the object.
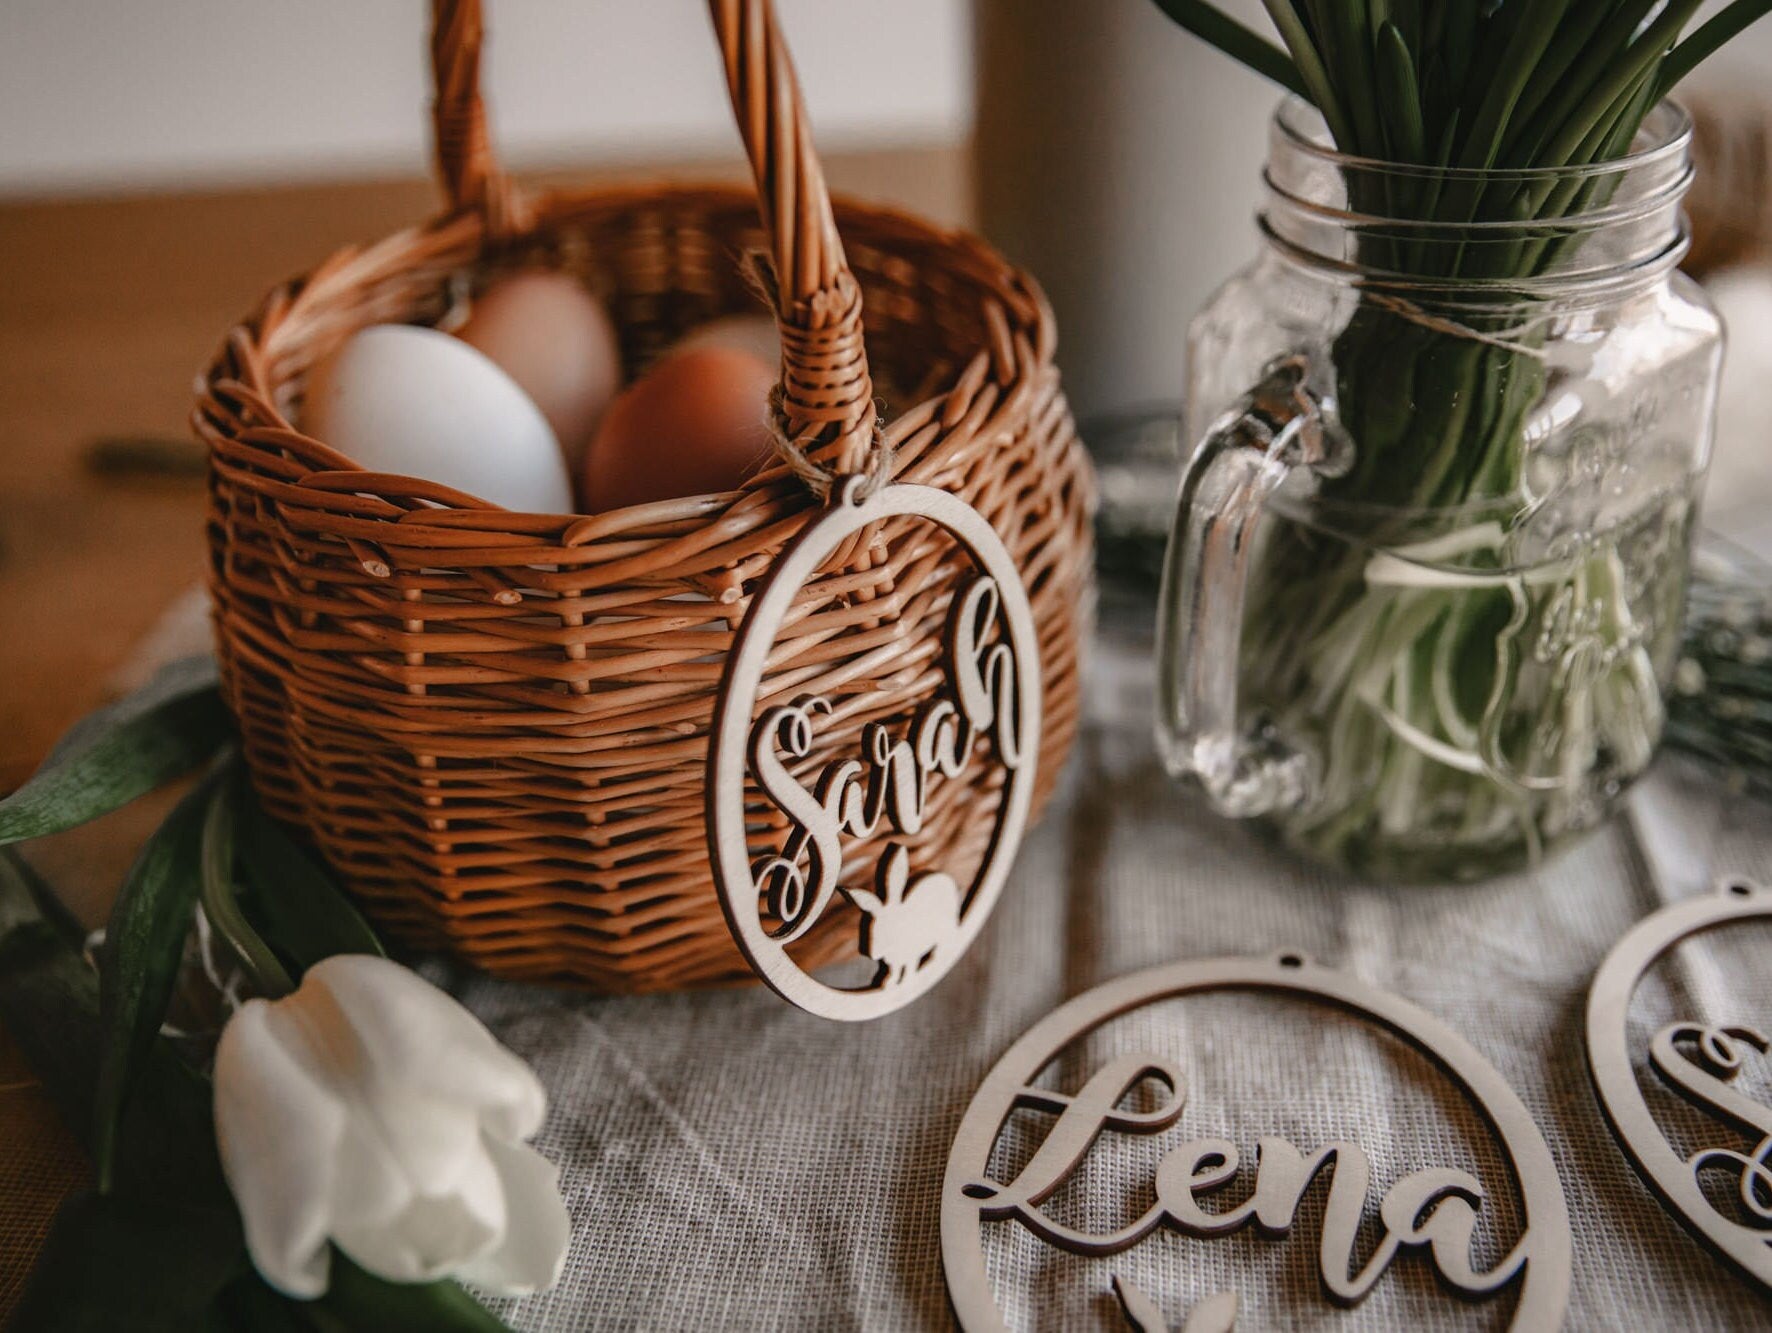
(1619, 78)
(1496, 25)
(1572, 41)
(302, 911)
(143, 1256)
(49, 1003)
(1721, 27)
(1211, 24)
(39, 896)
(1458, 37)
(1525, 48)
(144, 948)
(1309, 63)
(1353, 49)
(220, 903)
(1402, 95)
(357, 1301)
(1610, 136)
(112, 1263)
(1597, 55)
(252, 1305)
(364, 1301)
(121, 752)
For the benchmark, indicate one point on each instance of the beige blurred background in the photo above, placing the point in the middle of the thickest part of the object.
(102, 95)
(1117, 156)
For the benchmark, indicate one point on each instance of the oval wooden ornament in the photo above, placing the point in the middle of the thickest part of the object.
(1699, 1062)
(916, 920)
(1539, 1263)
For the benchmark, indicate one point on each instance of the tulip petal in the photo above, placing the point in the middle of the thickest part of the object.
(372, 1186)
(378, 1030)
(434, 1235)
(371, 1110)
(538, 1231)
(277, 1127)
(420, 1040)
(431, 1144)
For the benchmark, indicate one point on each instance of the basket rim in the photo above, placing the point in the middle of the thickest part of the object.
(1021, 347)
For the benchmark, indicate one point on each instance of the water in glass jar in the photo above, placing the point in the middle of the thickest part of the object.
(1467, 710)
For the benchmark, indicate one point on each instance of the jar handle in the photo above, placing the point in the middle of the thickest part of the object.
(1276, 427)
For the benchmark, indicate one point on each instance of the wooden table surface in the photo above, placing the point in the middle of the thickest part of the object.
(108, 308)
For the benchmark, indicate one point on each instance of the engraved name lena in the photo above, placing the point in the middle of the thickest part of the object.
(906, 916)
(1434, 1209)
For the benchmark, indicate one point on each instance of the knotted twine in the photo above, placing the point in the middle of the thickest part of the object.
(834, 348)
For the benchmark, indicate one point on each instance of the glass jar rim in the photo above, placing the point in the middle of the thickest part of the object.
(1612, 226)
(1668, 127)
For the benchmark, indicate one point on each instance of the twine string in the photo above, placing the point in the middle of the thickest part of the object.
(758, 272)
(816, 477)
(1415, 314)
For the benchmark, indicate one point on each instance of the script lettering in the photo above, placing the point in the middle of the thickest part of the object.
(1705, 1082)
(889, 782)
(1432, 1209)
(985, 678)
(794, 895)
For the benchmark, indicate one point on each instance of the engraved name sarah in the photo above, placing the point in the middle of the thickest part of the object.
(891, 781)
(916, 919)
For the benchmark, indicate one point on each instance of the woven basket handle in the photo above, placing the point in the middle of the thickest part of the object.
(826, 402)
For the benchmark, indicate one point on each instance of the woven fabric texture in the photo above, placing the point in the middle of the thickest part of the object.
(731, 1163)
(39, 1157)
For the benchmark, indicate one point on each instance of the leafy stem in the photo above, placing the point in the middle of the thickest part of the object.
(1525, 82)
(218, 896)
(1721, 28)
(159, 1247)
(1242, 44)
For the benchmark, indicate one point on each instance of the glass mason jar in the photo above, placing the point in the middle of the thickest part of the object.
(1423, 591)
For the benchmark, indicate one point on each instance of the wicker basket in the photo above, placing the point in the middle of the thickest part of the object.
(494, 725)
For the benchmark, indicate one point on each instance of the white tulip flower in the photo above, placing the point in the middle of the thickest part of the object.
(371, 1111)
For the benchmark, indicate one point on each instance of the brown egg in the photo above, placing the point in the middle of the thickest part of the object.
(743, 333)
(695, 423)
(556, 340)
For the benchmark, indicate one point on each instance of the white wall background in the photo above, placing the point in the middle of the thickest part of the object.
(100, 95)
(109, 94)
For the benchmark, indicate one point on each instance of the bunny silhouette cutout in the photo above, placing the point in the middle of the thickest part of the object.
(1215, 1314)
(905, 922)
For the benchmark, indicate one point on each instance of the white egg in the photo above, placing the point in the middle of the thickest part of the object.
(413, 401)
